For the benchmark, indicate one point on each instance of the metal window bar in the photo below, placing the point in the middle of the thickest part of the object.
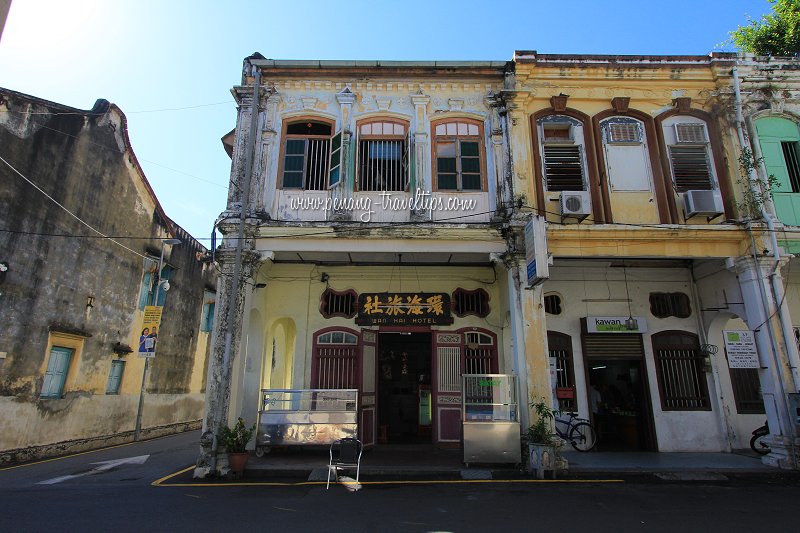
(791, 155)
(682, 379)
(747, 391)
(381, 165)
(317, 164)
(336, 368)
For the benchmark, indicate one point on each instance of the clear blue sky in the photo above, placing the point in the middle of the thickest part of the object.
(152, 56)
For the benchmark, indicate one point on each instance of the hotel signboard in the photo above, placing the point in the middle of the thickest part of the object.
(403, 309)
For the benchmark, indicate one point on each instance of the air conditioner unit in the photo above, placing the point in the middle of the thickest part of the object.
(703, 203)
(576, 204)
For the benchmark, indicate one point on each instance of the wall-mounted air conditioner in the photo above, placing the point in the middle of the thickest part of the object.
(703, 203)
(576, 204)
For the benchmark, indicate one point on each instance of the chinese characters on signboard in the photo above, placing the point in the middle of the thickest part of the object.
(403, 309)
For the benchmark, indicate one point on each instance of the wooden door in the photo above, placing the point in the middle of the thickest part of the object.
(447, 347)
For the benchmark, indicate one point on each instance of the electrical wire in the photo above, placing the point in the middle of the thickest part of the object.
(73, 215)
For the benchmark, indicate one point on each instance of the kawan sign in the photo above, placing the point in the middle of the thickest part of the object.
(615, 324)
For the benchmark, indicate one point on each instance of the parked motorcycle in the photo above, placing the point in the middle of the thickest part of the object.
(757, 442)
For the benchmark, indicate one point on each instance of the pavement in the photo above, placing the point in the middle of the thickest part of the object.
(426, 462)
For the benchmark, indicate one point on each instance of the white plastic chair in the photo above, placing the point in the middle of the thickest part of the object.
(345, 454)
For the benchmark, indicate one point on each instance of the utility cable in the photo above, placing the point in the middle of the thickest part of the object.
(73, 215)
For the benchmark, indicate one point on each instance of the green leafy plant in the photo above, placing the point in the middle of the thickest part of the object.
(753, 197)
(541, 432)
(776, 34)
(235, 439)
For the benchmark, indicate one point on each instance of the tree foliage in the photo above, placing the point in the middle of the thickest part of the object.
(776, 34)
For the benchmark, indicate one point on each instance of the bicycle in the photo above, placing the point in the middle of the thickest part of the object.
(579, 432)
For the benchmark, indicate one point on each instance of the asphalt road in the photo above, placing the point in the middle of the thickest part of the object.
(61, 495)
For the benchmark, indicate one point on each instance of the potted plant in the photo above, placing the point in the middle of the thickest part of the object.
(235, 441)
(541, 440)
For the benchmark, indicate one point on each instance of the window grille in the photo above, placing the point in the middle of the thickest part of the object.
(560, 348)
(747, 391)
(691, 168)
(791, 156)
(334, 303)
(335, 361)
(675, 304)
(306, 156)
(552, 304)
(563, 168)
(624, 133)
(474, 302)
(480, 354)
(691, 133)
(679, 366)
(383, 157)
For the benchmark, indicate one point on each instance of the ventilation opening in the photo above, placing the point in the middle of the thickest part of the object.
(343, 304)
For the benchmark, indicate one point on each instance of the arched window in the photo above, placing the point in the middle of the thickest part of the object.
(626, 155)
(335, 362)
(690, 157)
(458, 155)
(681, 371)
(560, 348)
(306, 155)
(383, 156)
(563, 153)
(480, 353)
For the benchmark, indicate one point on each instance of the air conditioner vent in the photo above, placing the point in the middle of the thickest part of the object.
(691, 133)
(576, 204)
(703, 203)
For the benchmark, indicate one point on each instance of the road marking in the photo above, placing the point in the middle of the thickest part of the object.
(104, 466)
(160, 482)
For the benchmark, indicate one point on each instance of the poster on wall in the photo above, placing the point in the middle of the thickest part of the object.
(149, 336)
(740, 345)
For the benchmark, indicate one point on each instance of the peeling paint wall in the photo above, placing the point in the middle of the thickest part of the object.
(83, 292)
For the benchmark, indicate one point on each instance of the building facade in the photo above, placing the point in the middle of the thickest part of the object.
(82, 239)
(629, 162)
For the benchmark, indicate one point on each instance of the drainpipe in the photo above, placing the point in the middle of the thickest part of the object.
(775, 285)
(237, 265)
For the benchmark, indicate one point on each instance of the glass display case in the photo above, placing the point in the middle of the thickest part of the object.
(490, 412)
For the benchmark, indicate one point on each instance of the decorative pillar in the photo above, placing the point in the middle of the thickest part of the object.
(347, 180)
(420, 178)
(501, 155)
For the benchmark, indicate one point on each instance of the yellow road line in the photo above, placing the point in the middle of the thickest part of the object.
(160, 482)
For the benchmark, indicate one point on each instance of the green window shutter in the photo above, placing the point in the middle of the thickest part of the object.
(56, 374)
(115, 376)
(294, 164)
(146, 290)
(335, 164)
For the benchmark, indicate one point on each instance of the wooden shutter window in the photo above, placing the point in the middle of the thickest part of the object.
(691, 168)
(680, 369)
(563, 168)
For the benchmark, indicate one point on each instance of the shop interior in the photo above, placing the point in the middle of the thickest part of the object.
(618, 400)
(404, 388)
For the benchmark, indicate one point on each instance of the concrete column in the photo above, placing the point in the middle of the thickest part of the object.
(500, 154)
(529, 338)
(421, 177)
(347, 181)
(218, 386)
(775, 374)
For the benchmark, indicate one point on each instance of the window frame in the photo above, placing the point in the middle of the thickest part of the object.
(405, 137)
(50, 392)
(697, 363)
(209, 307)
(110, 389)
(285, 137)
(577, 139)
(672, 124)
(457, 139)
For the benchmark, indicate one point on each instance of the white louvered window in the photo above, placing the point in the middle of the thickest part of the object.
(562, 151)
(689, 152)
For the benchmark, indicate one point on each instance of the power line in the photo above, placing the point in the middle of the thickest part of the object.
(73, 215)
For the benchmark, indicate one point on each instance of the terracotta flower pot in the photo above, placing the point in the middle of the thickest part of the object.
(238, 461)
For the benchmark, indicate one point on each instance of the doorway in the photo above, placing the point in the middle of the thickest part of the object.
(404, 387)
(619, 401)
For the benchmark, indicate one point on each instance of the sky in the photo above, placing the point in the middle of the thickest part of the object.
(170, 64)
